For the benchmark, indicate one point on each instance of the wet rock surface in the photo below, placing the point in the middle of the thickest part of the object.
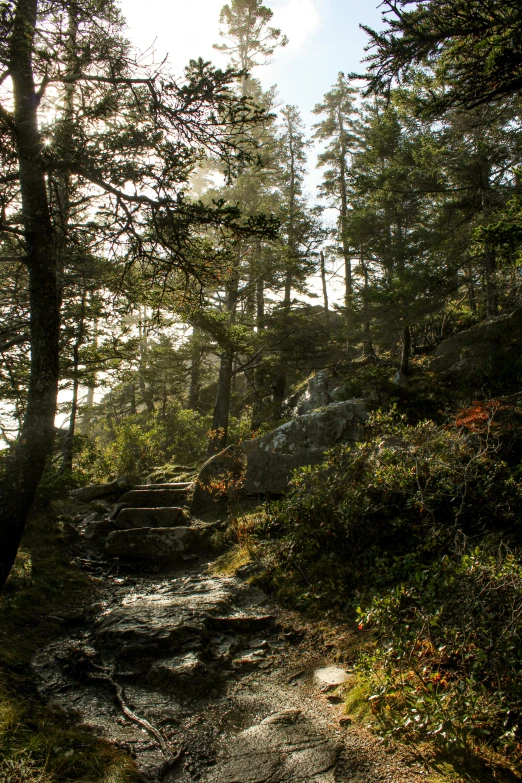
(198, 678)
(128, 518)
(202, 678)
(156, 544)
(154, 498)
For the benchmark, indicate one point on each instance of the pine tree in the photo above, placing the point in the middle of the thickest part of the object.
(132, 174)
(336, 131)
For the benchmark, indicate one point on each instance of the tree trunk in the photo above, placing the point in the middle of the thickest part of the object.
(472, 299)
(367, 333)
(490, 264)
(145, 392)
(27, 461)
(195, 371)
(132, 399)
(325, 289)
(348, 286)
(259, 372)
(85, 421)
(218, 439)
(68, 448)
(406, 351)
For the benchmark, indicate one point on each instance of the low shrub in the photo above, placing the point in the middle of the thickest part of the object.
(142, 441)
(416, 535)
(362, 517)
(151, 443)
(449, 651)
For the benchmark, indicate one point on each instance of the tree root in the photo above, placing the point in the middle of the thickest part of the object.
(170, 758)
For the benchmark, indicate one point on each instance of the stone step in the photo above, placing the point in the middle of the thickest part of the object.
(154, 544)
(239, 623)
(174, 485)
(132, 518)
(154, 498)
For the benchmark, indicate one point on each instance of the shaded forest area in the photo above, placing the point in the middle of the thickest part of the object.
(169, 283)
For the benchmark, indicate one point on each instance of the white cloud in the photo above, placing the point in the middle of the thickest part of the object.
(187, 30)
(183, 30)
(299, 20)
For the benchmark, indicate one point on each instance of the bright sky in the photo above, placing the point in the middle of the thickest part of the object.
(324, 35)
(324, 38)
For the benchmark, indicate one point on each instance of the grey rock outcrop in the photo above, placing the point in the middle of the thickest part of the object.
(154, 498)
(264, 466)
(271, 459)
(316, 394)
(95, 491)
(483, 348)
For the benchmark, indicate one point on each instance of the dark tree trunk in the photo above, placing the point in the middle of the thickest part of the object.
(195, 372)
(367, 333)
(85, 421)
(68, 448)
(218, 439)
(406, 351)
(259, 373)
(145, 391)
(132, 399)
(343, 219)
(325, 289)
(490, 264)
(472, 299)
(27, 461)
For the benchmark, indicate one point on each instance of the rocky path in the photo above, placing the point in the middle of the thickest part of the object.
(200, 677)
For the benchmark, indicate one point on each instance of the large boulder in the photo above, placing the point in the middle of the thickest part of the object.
(95, 491)
(154, 498)
(149, 517)
(264, 466)
(485, 348)
(316, 394)
(271, 459)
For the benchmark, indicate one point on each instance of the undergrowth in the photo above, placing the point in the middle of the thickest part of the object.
(415, 534)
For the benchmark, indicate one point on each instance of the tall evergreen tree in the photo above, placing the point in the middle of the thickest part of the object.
(335, 129)
(132, 172)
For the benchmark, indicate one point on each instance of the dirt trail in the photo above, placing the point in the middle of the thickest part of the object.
(202, 678)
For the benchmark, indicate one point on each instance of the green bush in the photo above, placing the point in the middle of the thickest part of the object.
(449, 654)
(143, 441)
(355, 521)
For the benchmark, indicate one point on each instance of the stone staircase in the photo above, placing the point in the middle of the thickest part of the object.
(151, 523)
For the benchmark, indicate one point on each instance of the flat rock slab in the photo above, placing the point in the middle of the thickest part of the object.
(94, 491)
(157, 544)
(129, 518)
(330, 676)
(283, 747)
(153, 498)
(167, 620)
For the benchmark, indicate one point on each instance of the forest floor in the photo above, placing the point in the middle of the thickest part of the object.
(201, 677)
(198, 675)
